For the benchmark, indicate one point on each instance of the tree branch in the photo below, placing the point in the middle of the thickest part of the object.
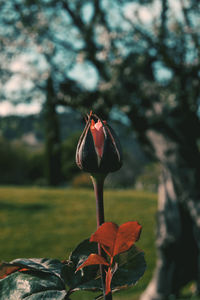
(163, 27)
(76, 19)
(195, 37)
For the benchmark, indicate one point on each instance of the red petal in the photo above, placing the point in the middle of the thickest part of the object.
(98, 136)
(93, 259)
(106, 235)
(114, 239)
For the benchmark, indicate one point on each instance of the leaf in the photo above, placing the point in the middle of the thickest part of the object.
(32, 285)
(32, 279)
(131, 267)
(114, 239)
(93, 259)
(53, 266)
(106, 235)
(88, 278)
(128, 233)
(7, 269)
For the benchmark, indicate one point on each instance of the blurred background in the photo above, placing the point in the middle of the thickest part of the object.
(135, 63)
(126, 60)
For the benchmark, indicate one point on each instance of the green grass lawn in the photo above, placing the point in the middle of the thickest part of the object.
(38, 222)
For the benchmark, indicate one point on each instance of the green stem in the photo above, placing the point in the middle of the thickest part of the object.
(98, 183)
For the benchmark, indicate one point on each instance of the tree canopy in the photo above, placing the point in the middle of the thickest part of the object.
(141, 56)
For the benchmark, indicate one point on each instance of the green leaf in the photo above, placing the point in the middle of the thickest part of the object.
(53, 266)
(131, 267)
(88, 278)
(35, 279)
(31, 285)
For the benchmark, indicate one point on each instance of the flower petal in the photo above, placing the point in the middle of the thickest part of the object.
(98, 136)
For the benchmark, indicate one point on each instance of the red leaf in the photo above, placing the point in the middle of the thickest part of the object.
(6, 270)
(114, 239)
(23, 270)
(106, 235)
(93, 259)
(128, 233)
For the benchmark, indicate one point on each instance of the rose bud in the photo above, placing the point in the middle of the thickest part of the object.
(99, 149)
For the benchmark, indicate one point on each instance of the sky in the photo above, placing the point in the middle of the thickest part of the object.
(7, 108)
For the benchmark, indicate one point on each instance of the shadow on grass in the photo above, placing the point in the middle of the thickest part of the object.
(24, 207)
(188, 297)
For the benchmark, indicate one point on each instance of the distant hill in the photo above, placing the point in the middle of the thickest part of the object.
(30, 129)
(15, 127)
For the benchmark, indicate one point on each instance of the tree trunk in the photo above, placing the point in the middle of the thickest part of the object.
(178, 217)
(52, 139)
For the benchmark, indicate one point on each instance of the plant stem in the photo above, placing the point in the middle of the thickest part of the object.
(98, 183)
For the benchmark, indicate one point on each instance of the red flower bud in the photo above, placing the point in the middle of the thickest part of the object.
(99, 149)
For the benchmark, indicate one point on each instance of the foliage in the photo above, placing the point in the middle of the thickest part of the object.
(11, 161)
(19, 165)
(148, 179)
(42, 277)
(113, 41)
(35, 165)
(82, 181)
(47, 278)
(69, 167)
(115, 240)
(14, 127)
(22, 164)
